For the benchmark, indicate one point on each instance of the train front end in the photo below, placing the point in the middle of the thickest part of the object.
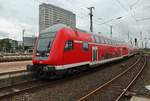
(46, 52)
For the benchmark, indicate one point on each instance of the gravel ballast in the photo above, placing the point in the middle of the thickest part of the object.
(73, 89)
(138, 89)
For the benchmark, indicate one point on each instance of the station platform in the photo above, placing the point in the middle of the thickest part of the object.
(13, 66)
(135, 98)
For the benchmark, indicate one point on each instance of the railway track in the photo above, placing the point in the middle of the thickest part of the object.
(8, 79)
(114, 89)
(21, 87)
(13, 74)
(8, 92)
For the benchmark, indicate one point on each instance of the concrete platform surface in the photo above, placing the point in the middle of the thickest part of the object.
(13, 66)
(135, 98)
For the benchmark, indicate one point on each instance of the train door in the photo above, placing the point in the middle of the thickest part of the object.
(94, 54)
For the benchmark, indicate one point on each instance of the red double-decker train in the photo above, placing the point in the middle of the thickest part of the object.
(60, 48)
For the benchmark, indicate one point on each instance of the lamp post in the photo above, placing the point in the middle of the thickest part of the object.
(23, 39)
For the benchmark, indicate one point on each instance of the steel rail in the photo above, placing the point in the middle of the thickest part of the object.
(28, 89)
(24, 89)
(105, 84)
(17, 84)
(11, 75)
(13, 72)
(124, 91)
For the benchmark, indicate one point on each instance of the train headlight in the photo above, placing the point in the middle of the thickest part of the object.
(47, 54)
(37, 54)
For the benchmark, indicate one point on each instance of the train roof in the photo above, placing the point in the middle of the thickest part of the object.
(57, 27)
(54, 28)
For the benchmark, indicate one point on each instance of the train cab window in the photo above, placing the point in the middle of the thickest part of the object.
(69, 45)
(85, 46)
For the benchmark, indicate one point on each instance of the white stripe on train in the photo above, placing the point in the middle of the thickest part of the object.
(61, 67)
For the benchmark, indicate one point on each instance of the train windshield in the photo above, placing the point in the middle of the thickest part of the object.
(47, 36)
(45, 41)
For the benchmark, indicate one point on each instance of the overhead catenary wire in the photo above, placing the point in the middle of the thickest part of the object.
(134, 4)
(143, 19)
(130, 12)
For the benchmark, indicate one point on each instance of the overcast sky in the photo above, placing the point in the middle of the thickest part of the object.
(16, 15)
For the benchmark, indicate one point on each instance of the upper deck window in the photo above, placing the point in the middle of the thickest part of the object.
(104, 41)
(101, 40)
(93, 38)
(97, 39)
(109, 41)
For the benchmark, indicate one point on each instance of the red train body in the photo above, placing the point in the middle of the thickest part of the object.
(60, 47)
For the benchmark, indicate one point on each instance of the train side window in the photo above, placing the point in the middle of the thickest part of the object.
(97, 39)
(85, 46)
(109, 41)
(114, 42)
(69, 45)
(100, 41)
(105, 41)
(93, 38)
